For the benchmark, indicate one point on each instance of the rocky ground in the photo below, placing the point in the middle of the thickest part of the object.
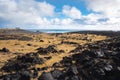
(68, 56)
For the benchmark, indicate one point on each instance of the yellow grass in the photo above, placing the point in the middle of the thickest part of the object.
(17, 46)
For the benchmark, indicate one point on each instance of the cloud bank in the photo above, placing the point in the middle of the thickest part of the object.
(33, 14)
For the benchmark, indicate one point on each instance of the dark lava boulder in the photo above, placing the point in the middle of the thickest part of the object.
(77, 49)
(56, 73)
(42, 50)
(97, 53)
(46, 76)
(67, 61)
(22, 62)
(49, 49)
(35, 73)
(4, 50)
(14, 66)
(11, 77)
(30, 58)
(41, 41)
(21, 75)
(72, 71)
(25, 75)
(56, 65)
(105, 71)
(29, 44)
(48, 58)
(61, 51)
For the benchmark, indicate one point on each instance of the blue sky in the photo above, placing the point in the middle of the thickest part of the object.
(60, 14)
(79, 4)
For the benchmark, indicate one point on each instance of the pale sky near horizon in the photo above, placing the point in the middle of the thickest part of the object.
(60, 14)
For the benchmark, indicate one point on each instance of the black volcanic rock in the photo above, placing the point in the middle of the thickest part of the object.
(21, 75)
(77, 49)
(46, 76)
(61, 51)
(30, 58)
(66, 42)
(22, 62)
(56, 65)
(72, 70)
(66, 61)
(11, 77)
(56, 73)
(29, 44)
(49, 49)
(15, 66)
(48, 58)
(4, 50)
(41, 40)
(25, 75)
(100, 62)
(35, 73)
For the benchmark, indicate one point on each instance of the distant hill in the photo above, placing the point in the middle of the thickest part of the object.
(22, 31)
(106, 33)
(13, 31)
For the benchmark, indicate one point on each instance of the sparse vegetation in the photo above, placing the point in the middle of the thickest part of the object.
(31, 47)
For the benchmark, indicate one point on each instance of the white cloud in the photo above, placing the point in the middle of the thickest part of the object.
(33, 14)
(105, 14)
(71, 12)
(67, 21)
(57, 21)
(110, 8)
(25, 12)
(94, 18)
